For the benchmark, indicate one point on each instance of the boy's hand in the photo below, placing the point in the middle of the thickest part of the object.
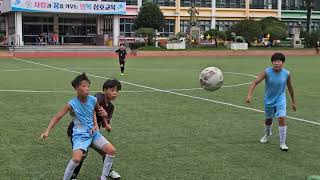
(294, 107)
(44, 136)
(248, 99)
(95, 128)
(102, 112)
(108, 127)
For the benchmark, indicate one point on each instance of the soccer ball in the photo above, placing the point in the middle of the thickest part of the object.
(211, 78)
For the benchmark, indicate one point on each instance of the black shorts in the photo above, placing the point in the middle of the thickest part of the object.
(122, 61)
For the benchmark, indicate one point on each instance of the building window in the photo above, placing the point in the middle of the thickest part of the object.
(163, 2)
(230, 4)
(197, 3)
(168, 29)
(315, 24)
(293, 5)
(263, 4)
(223, 25)
(317, 5)
(205, 25)
(128, 2)
(127, 27)
(184, 24)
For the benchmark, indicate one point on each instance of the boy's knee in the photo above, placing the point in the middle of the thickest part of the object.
(110, 149)
(282, 121)
(78, 155)
(77, 159)
(268, 122)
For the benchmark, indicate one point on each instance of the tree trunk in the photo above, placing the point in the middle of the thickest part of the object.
(309, 11)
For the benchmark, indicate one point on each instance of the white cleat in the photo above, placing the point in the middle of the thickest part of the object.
(114, 174)
(122, 74)
(264, 139)
(284, 147)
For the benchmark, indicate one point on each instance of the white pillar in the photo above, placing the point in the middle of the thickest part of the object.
(18, 28)
(139, 4)
(213, 14)
(100, 23)
(7, 24)
(279, 8)
(116, 29)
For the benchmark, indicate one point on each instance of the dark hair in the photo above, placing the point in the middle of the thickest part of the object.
(77, 81)
(278, 56)
(111, 83)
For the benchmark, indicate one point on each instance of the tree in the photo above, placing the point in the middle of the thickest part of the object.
(309, 6)
(147, 33)
(271, 21)
(312, 38)
(149, 16)
(214, 34)
(273, 26)
(277, 32)
(249, 29)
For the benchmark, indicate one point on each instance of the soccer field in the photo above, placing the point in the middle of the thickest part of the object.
(164, 127)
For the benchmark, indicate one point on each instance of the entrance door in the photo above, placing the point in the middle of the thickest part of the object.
(77, 29)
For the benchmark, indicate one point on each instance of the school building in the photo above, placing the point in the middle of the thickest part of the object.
(85, 22)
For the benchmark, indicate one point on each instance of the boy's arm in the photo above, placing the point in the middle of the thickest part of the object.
(253, 85)
(104, 116)
(54, 121)
(290, 89)
(95, 123)
(117, 51)
(97, 107)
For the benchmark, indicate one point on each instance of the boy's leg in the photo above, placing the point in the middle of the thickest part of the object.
(268, 127)
(73, 163)
(80, 144)
(78, 168)
(281, 114)
(103, 144)
(122, 68)
(269, 114)
(122, 62)
(282, 133)
(113, 174)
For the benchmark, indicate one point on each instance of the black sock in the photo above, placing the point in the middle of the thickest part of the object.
(122, 69)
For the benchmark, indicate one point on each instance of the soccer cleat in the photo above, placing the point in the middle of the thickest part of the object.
(114, 174)
(284, 147)
(264, 139)
(122, 74)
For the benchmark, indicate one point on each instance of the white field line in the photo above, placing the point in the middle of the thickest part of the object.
(169, 92)
(50, 91)
(137, 69)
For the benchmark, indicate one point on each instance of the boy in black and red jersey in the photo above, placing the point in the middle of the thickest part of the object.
(110, 92)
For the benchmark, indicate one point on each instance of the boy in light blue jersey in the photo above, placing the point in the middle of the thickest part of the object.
(276, 80)
(85, 131)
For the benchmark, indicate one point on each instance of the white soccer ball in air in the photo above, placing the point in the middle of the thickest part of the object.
(211, 78)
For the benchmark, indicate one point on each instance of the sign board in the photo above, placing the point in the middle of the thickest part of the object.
(65, 6)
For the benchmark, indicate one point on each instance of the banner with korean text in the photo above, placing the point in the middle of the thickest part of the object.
(67, 6)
